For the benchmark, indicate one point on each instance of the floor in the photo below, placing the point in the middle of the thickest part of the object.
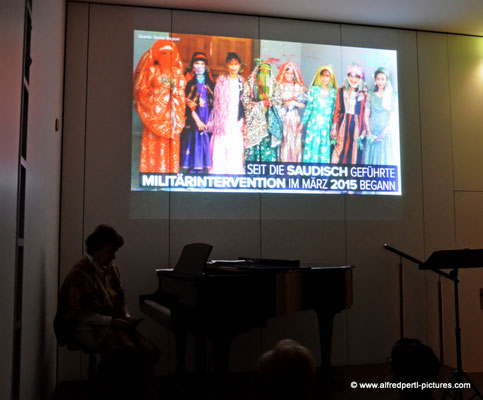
(241, 386)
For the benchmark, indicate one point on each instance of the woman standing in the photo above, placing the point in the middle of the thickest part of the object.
(195, 139)
(263, 130)
(226, 121)
(379, 120)
(159, 99)
(348, 123)
(318, 116)
(293, 96)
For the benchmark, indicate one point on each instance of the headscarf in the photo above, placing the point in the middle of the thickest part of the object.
(388, 90)
(262, 71)
(198, 56)
(264, 75)
(317, 81)
(297, 77)
(355, 69)
(161, 114)
(257, 115)
(166, 54)
(163, 53)
(190, 73)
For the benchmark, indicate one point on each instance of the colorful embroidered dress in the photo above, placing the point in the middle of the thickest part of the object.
(292, 92)
(195, 145)
(318, 118)
(226, 124)
(159, 99)
(378, 144)
(349, 120)
(261, 88)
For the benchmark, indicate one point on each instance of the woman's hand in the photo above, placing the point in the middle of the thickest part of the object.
(201, 126)
(191, 104)
(199, 123)
(333, 132)
(382, 136)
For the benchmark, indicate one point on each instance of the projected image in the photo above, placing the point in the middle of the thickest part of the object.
(229, 114)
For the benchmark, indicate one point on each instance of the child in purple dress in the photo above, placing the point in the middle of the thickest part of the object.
(195, 139)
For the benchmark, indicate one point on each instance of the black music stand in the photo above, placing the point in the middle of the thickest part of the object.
(454, 260)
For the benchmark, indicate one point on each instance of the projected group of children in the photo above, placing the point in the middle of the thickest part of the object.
(194, 124)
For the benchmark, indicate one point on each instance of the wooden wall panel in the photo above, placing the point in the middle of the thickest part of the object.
(469, 234)
(108, 196)
(325, 230)
(397, 220)
(465, 55)
(436, 148)
(227, 221)
(12, 15)
(73, 155)
(306, 227)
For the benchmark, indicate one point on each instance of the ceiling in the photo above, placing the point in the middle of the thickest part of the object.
(454, 16)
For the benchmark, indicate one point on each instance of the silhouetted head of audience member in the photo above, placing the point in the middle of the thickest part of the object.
(287, 372)
(102, 236)
(411, 361)
(103, 243)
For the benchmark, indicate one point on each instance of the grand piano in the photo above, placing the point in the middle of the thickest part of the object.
(221, 299)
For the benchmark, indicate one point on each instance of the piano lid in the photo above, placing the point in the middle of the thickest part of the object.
(193, 259)
(254, 264)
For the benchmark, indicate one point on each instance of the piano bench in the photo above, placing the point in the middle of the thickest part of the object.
(157, 312)
(91, 372)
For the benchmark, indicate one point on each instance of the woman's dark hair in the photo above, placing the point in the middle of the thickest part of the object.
(102, 236)
(197, 56)
(233, 56)
(376, 88)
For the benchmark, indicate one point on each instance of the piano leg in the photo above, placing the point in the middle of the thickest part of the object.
(221, 353)
(326, 323)
(200, 349)
(180, 336)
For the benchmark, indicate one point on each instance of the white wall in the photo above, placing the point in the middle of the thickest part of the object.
(40, 285)
(450, 83)
(11, 46)
(327, 229)
(437, 166)
(465, 56)
(38, 362)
